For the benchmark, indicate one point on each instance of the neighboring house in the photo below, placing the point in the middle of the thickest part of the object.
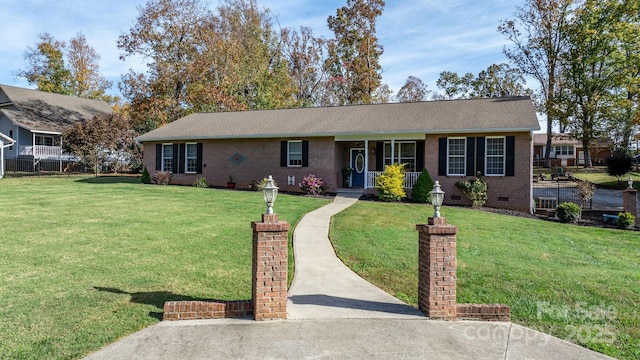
(567, 151)
(453, 139)
(5, 141)
(36, 120)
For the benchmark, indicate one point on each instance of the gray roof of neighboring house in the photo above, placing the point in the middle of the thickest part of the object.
(43, 111)
(447, 116)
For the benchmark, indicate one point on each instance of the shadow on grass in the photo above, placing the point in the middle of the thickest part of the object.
(111, 180)
(155, 298)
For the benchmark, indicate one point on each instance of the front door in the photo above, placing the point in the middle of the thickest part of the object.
(357, 164)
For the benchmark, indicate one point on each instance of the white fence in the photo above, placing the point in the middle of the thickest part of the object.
(410, 178)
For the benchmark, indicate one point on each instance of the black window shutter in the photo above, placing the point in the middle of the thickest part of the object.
(379, 156)
(510, 148)
(182, 159)
(442, 157)
(305, 153)
(199, 158)
(176, 158)
(480, 155)
(283, 153)
(419, 155)
(471, 156)
(158, 157)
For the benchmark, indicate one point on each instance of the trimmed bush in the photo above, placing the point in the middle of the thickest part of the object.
(475, 190)
(162, 177)
(422, 187)
(626, 220)
(568, 212)
(201, 182)
(390, 184)
(146, 179)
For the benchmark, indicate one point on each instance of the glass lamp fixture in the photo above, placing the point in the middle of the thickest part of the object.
(270, 192)
(437, 196)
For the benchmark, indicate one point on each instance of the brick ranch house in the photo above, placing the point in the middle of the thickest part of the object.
(567, 151)
(453, 139)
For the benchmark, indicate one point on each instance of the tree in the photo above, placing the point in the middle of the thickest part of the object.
(83, 63)
(167, 33)
(498, 80)
(413, 90)
(354, 55)
(454, 86)
(593, 67)
(618, 164)
(101, 138)
(46, 67)
(305, 55)
(539, 41)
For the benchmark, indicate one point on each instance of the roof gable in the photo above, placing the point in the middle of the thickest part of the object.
(460, 116)
(38, 110)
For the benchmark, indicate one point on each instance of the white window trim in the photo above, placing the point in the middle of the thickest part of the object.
(398, 155)
(464, 156)
(163, 157)
(186, 158)
(504, 155)
(289, 153)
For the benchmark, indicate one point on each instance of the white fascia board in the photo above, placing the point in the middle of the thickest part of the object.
(46, 132)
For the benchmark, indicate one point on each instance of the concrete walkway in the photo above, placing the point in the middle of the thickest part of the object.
(335, 314)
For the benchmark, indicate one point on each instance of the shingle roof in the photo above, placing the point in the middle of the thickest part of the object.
(459, 116)
(43, 111)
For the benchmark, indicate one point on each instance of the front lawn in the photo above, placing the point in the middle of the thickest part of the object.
(86, 261)
(576, 283)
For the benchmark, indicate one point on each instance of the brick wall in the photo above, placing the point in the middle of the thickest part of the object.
(506, 192)
(261, 159)
(196, 310)
(483, 312)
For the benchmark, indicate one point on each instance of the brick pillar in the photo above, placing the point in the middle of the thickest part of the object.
(630, 203)
(269, 280)
(437, 269)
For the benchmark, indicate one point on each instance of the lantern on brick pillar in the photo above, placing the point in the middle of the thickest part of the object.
(437, 197)
(270, 192)
(630, 182)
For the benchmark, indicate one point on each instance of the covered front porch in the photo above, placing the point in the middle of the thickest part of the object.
(363, 160)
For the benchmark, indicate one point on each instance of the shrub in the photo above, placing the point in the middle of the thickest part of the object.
(568, 212)
(390, 184)
(619, 164)
(422, 187)
(162, 177)
(313, 185)
(258, 185)
(146, 179)
(626, 220)
(201, 182)
(475, 190)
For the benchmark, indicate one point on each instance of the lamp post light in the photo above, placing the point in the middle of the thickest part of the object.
(437, 196)
(630, 182)
(270, 192)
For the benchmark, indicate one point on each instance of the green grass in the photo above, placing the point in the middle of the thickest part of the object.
(86, 261)
(576, 283)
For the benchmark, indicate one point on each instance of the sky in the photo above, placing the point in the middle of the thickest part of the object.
(421, 38)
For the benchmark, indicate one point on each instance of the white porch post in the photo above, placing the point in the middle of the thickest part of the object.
(366, 164)
(393, 152)
(2, 159)
(33, 150)
(60, 153)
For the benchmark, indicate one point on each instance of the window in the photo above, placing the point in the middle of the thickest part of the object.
(456, 155)
(191, 158)
(167, 157)
(11, 136)
(294, 157)
(564, 150)
(494, 155)
(44, 140)
(404, 153)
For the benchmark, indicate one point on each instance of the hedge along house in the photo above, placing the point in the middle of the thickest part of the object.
(452, 139)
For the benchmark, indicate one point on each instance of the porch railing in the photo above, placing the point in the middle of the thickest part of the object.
(41, 151)
(409, 179)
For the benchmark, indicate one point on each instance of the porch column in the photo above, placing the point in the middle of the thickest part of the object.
(60, 153)
(33, 150)
(2, 160)
(366, 164)
(393, 152)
